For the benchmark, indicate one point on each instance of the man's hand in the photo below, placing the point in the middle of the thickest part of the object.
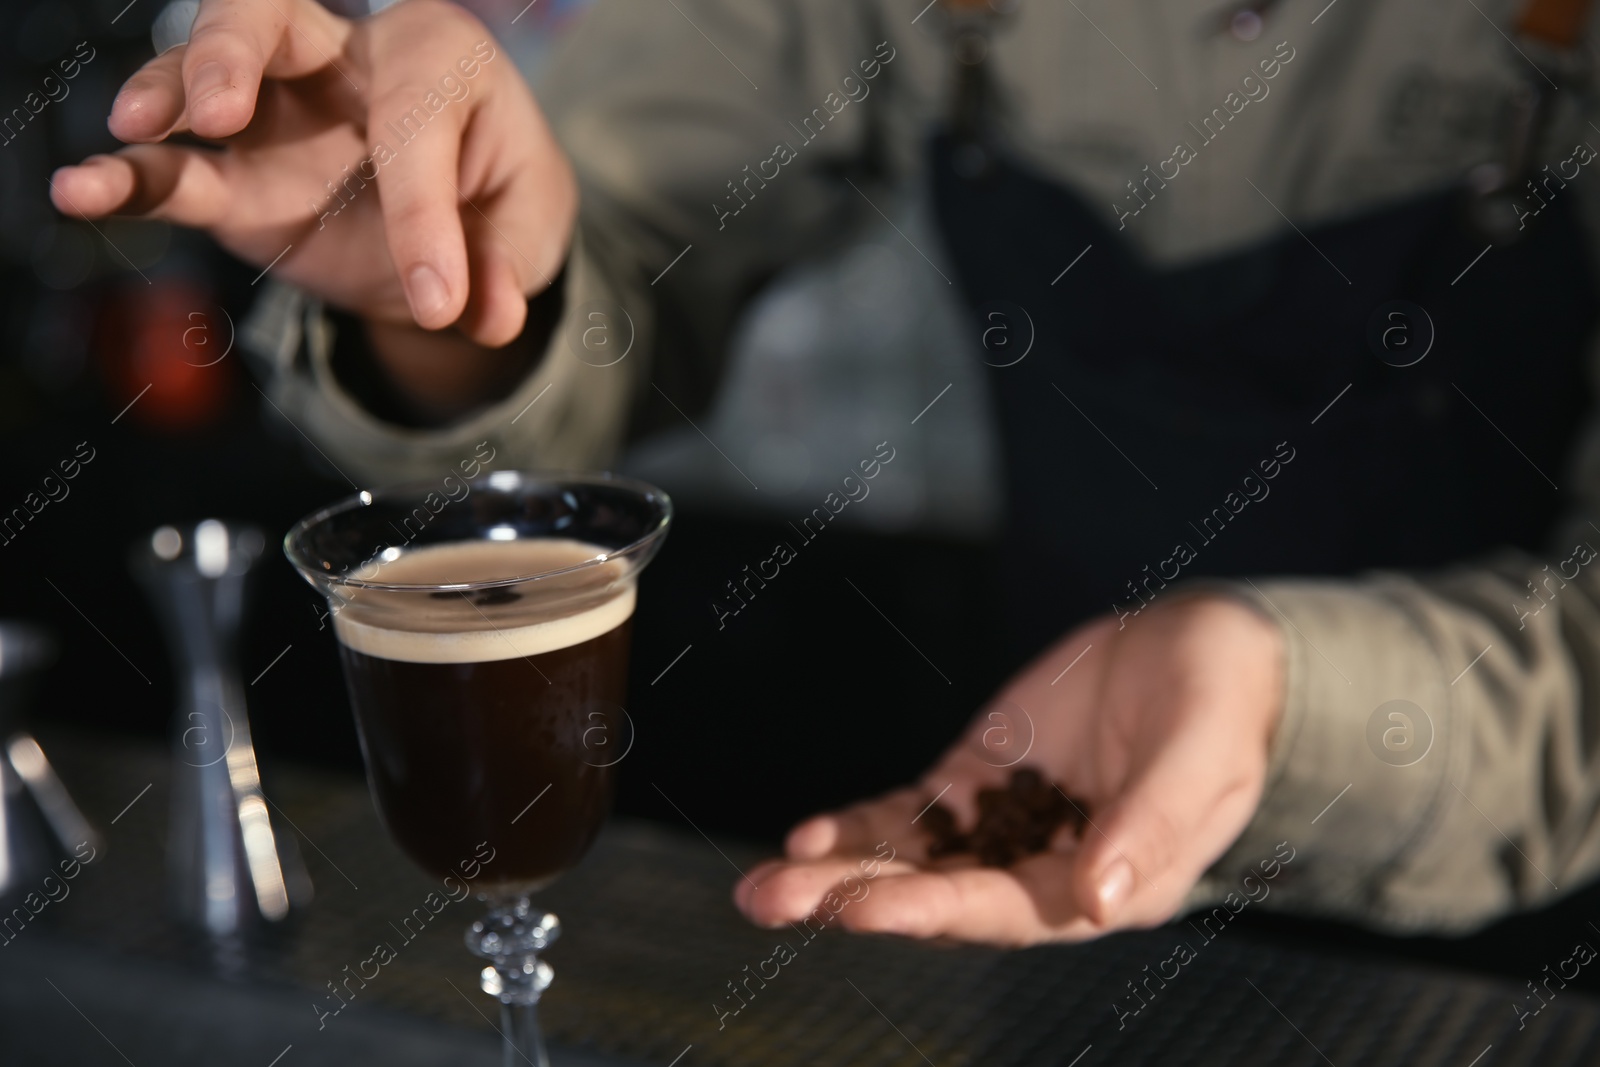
(453, 203)
(1161, 728)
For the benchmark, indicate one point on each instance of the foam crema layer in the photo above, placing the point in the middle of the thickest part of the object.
(550, 614)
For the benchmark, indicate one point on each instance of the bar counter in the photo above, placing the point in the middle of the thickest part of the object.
(654, 966)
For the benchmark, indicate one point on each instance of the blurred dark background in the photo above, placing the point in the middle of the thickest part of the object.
(806, 699)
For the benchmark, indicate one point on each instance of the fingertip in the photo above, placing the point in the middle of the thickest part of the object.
(812, 839)
(127, 120)
(497, 311)
(773, 895)
(145, 108)
(1108, 890)
(745, 888)
(220, 100)
(60, 179)
(140, 117)
(82, 190)
(221, 115)
(756, 875)
(429, 297)
(497, 331)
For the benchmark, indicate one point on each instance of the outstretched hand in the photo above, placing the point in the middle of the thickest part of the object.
(1161, 730)
(396, 166)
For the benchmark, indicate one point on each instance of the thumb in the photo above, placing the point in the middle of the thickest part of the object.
(1143, 852)
(1126, 853)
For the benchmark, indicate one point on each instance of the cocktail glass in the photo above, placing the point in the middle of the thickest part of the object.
(484, 625)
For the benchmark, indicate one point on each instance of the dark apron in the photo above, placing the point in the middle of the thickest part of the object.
(1198, 374)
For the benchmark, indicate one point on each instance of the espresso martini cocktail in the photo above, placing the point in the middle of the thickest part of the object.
(485, 646)
(461, 729)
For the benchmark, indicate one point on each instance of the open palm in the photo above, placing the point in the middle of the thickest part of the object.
(1161, 728)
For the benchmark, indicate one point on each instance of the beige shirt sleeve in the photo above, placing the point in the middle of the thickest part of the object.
(1436, 764)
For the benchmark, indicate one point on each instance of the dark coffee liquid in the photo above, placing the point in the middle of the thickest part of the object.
(456, 752)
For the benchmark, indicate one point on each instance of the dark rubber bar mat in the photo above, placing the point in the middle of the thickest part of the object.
(654, 961)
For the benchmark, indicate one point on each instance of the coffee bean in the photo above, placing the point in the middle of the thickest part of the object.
(1014, 821)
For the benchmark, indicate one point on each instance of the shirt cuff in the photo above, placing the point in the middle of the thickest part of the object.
(570, 412)
(1362, 758)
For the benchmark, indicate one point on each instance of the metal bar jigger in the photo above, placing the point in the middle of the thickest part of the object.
(226, 866)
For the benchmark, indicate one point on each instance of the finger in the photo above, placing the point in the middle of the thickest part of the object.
(422, 221)
(150, 103)
(178, 185)
(514, 250)
(1026, 904)
(813, 838)
(748, 880)
(776, 892)
(235, 42)
(861, 828)
(419, 135)
(496, 307)
(1143, 851)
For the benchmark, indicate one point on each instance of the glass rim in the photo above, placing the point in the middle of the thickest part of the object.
(366, 497)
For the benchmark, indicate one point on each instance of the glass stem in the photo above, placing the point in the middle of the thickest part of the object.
(524, 1043)
(511, 938)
